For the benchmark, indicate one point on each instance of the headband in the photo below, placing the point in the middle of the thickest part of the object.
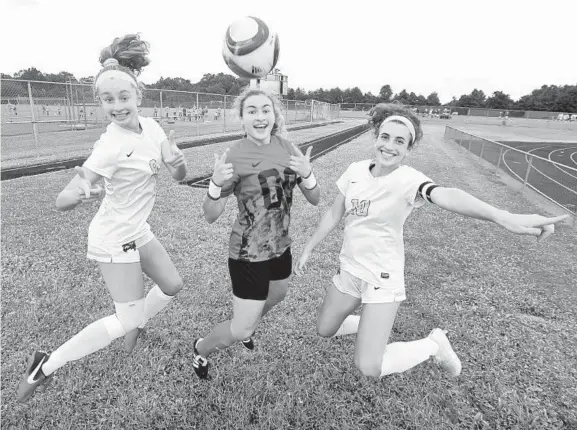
(405, 121)
(114, 74)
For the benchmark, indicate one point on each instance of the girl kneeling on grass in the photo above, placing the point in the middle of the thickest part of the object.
(261, 170)
(128, 157)
(376, 196)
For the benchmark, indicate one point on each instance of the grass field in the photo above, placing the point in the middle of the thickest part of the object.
(508, 303)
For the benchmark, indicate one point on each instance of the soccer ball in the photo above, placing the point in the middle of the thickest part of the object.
(250, 48)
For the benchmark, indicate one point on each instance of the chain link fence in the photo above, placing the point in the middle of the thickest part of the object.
(47, 121)
(555, 181)
(522, 118)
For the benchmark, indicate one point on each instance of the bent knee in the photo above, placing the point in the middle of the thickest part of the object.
(130, 323)
(241, 333)
(325, 330)
(173, 287)
(130, 314)
(368, 368)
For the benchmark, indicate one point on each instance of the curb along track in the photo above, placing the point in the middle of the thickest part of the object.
(321, 146)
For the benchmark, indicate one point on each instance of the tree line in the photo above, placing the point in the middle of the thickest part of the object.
(551, 98)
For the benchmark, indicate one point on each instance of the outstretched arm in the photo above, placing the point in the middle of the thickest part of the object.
(463, 203)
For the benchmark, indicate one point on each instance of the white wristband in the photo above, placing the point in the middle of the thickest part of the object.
(310, 181)
(214, 190)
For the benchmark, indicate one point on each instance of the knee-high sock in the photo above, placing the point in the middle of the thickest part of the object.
(155, 301)
(401, 356)
(349, 326)
(92, 338)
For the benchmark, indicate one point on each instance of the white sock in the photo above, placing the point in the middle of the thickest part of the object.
(92, 338)
(401, 356)
(155, 301)
(349, 326)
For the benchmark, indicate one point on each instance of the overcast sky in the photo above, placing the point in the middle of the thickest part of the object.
(423, 46)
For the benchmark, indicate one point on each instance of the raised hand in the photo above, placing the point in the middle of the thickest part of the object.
(85, 189)
(175, 157)
(222, 169)
(534, 225)
(301, 163)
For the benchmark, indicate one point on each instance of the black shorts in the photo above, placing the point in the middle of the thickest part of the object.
(250, 279)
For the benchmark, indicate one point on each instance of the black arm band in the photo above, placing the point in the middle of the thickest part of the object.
(425, 190)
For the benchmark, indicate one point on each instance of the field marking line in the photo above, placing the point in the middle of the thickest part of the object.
(560, 168)
(547, 176)
(573, 159)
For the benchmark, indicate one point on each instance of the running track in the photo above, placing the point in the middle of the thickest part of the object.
(557, 182)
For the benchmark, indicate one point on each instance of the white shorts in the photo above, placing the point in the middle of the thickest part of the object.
(120, 253)
(368, 293)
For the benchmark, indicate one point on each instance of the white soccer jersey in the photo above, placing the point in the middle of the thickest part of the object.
(373, 248)
(129, 163)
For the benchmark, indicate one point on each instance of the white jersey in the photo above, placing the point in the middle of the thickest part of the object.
(373, 248)
(129, 163)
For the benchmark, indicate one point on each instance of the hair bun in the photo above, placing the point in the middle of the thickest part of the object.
(128, 51)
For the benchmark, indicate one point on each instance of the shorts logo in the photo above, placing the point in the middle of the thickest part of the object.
(384, 275)
(256, 164)
(129, 246)
(360, 208)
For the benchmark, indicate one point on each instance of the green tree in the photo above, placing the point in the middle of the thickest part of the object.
(567, 99)
(475, 99)
(499, 100)
(30, 74)
(385, 93)
(402, 97)
(300, 94)
(335, 95)
(60, 77)
(413, 99)
(433, 99)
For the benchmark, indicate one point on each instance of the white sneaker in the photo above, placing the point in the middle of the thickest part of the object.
(445, 356)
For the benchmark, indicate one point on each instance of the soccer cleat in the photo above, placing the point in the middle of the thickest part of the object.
(199, 363)
(33, 376)
(445, 356)
(248, 343)
(130, 339)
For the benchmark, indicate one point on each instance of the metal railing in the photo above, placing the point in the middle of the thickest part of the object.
(555, 181)
(43, 120)
(524, 118)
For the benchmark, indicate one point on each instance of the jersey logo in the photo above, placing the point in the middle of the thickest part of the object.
(360, 208)
(154, 167)
(128, 155)
(256, 164)
(384, 275)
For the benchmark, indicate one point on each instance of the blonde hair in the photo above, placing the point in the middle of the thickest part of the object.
(279, 127)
